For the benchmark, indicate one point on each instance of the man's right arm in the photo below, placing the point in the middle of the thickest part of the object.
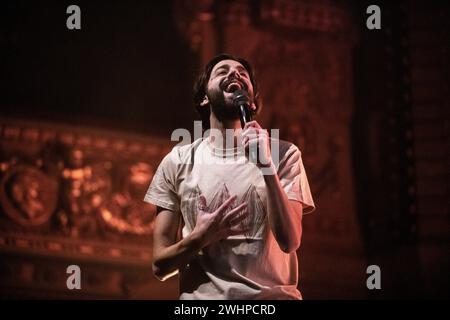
(169, 255)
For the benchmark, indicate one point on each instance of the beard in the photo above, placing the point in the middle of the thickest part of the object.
(223, 110)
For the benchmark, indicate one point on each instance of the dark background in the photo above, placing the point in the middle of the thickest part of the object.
(126, 68)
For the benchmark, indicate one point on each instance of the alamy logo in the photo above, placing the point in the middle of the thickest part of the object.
(374, 20)
(74, 20)
(184, 137)
(374, 280)
(74, 280)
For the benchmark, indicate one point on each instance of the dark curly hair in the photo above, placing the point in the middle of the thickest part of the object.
(202, 82)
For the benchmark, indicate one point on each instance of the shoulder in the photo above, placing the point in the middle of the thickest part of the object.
(285, 148)
(182, 154)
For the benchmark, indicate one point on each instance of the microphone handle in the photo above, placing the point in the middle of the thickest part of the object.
(245, 114)
(246, 117)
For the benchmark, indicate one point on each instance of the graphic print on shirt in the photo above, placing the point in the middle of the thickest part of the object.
(256, 212)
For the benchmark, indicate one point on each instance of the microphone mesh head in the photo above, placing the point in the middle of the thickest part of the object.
(241, 97)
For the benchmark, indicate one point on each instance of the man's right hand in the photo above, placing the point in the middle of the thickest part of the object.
(169, 254)
(220, 224)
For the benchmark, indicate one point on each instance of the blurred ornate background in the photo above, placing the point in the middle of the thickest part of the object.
(86, 116)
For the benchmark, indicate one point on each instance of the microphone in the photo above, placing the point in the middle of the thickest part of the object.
(241, 100)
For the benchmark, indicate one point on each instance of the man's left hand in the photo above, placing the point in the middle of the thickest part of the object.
(256, 143)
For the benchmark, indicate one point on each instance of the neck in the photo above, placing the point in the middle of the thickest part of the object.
(230, 137)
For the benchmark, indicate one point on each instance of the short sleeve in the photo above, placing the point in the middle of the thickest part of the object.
(162, 191)
(293, 179)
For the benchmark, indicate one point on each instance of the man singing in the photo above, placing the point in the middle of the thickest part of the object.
(240, 220)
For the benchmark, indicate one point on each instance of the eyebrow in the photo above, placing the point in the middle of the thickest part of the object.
(226, 66)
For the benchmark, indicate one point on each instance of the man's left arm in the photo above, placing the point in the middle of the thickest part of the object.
(285, 215)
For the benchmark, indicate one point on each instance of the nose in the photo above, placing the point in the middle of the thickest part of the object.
(235, 73)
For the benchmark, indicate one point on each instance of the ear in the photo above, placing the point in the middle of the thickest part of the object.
(205, 101)
(253, 106)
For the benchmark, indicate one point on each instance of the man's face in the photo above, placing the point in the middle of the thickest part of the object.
(226, 77)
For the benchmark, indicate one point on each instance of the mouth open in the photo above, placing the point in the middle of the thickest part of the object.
(232, 86)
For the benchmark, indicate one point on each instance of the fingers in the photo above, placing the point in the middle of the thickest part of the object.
(257, 140)
(232, 221)
(252, 133)
(226, 204)
(201, 203)
(230, 217)
(237, 219)
(253, 124)
(254, 136)
(254, 144)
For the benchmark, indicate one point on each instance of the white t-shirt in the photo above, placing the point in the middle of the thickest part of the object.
(248, 266)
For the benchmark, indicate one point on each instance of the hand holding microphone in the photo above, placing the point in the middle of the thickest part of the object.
(241, 100)
(254, 138)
